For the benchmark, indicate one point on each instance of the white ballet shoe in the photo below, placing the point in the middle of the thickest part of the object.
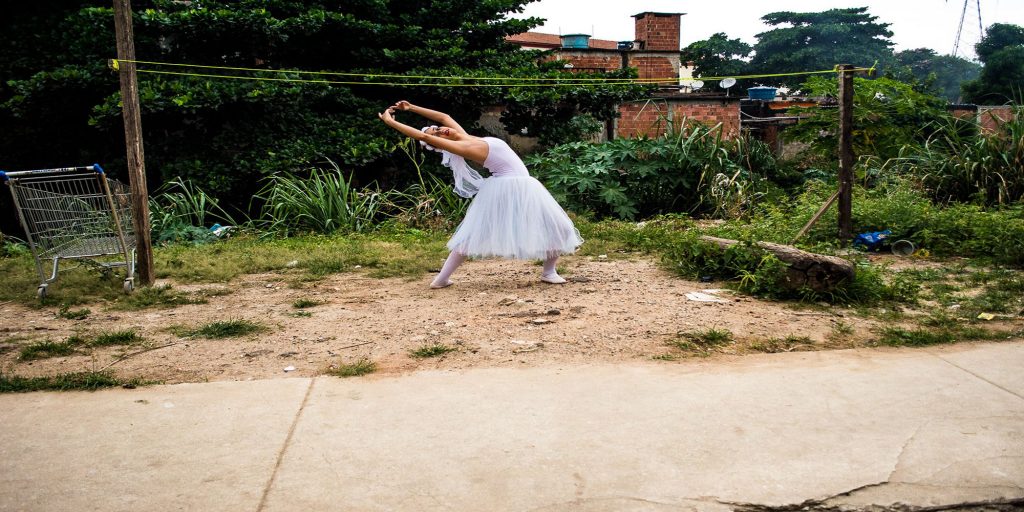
(553, 279)
(437, 286)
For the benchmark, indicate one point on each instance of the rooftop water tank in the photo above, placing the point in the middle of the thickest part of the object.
(576, 41)
(761, 92)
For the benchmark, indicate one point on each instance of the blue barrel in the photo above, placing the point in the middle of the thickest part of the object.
(761, 92)
(576, 41)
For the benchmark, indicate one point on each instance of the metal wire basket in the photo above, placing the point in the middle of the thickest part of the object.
(74, 213)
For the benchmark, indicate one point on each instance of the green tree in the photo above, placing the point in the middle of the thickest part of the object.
(940, 74)
(61, 103)
(717, 56)
(819, 40)
(887, 115)
(1002, 78)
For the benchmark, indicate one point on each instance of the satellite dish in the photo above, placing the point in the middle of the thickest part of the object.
(726, 83)
(696, 84)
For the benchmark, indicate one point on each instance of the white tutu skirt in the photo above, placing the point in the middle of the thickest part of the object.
(515, 217)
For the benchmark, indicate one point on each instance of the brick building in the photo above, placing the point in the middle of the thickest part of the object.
(654, 52)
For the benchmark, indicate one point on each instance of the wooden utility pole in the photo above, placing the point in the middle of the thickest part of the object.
(133, 140)
(845, 153)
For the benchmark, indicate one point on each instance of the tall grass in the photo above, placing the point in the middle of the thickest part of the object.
(961, 163)
(431, 202)
(180, 211)
(322, 202)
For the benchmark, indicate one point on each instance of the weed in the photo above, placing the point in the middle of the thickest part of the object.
(841, 329)
(787, 344)
(434, 350)
(126, 337)
(900, 337)
(84, 381)
(156, 296)
(300, 314)
(307, 303)
(223, 329)
(72, 314)
(665, 357)
(701, 341)
(709, 337)
(941, 319)
(360, 367)
(46, 349)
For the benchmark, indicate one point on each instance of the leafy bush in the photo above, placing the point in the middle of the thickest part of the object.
(11, 247)
(887, 116)
(692, 170)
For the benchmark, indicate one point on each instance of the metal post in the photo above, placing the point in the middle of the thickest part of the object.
(845, 153)
(133, 139)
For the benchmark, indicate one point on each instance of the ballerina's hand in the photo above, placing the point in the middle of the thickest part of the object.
(386, 115)
(402, 105)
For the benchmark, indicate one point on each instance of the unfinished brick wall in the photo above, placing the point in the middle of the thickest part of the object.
(991, 118)
(652, 118)
(589, 60)
(656, 66)
(658, 31)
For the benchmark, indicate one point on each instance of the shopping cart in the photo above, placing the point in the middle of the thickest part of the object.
(74, 213)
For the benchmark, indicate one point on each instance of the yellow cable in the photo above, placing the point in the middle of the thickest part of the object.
(394, 84)
(561, 81)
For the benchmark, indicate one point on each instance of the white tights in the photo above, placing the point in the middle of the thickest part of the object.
(455, 258)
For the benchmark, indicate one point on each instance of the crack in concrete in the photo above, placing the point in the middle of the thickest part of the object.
(998, 505)
(935, 473)
(284, 447)
(951, 363)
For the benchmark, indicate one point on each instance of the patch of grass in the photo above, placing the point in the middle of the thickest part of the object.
(84, 381)
(360, 367)
(900, 337)
(223, 329)
(125, 337)
(942, 320)
(156, 297)
(665, 357)
(701, 341)
(214, 292)
(842, 329)
(307, 303)
(300, 314)
(46, 349)
(434, 350)
(72, 314)
(992, 300)
(787, 344)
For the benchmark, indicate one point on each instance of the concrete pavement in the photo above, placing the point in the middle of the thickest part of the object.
(924, 428)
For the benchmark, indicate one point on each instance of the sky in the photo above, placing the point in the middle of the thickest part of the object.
(914, 23)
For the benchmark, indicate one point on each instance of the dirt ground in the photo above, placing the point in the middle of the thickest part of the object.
(498, 314)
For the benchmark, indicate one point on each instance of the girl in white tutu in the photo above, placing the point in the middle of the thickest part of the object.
(512, 215)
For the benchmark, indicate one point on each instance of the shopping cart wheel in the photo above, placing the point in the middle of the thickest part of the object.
(128, 285)
(41, 292)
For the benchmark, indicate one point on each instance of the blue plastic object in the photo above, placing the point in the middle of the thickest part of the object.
(872, 241)
(3, 176)
(761, 92)
(576, 41)
(97, 168)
